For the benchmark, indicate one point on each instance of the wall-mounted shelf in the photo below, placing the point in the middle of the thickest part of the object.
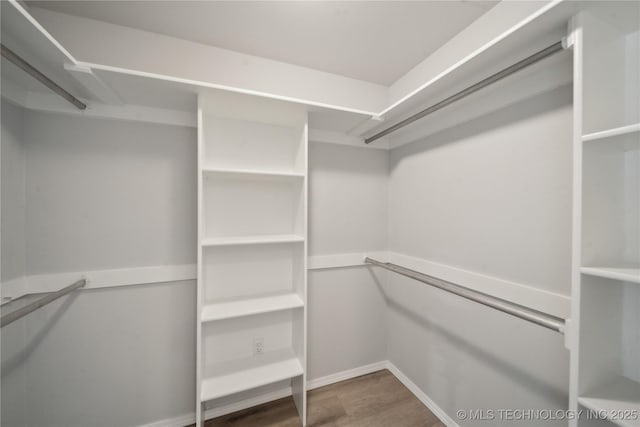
(253, 240)
(250, 306)
(241, 375)
(623, 130)
(253, 173)
(614, 400)
(624, 274)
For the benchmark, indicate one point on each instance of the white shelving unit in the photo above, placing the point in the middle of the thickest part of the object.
(605, 373)
(252, 254)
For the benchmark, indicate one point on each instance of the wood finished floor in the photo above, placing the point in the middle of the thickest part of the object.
(374, 400)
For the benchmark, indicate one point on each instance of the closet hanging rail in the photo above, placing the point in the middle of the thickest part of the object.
(36, 74)
(534, 316)
(530, 60)
(41, 302)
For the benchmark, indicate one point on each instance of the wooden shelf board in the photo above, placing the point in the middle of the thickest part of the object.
(622, 394)
(253, 240)
(248, 307)
(623, 130)
(253, 173)
(241, 375)
(625, 274)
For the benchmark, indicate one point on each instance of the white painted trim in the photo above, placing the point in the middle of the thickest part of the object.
(111, 278)
(180, 421)
(346, 375)
(319, 262)
(331, 137)
(529, 296)
(421, 396)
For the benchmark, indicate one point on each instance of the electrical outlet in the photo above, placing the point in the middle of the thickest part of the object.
(258, 346)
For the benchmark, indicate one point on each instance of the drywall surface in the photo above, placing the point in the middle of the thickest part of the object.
(493, 196)
(113, 357)
(347, 214)
(13, 408)
(347, 199)
(346, 321)
(108, 194)
(13, 193)
(12, 152)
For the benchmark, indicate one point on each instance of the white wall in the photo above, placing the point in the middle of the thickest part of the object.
(13, 193)
(347, 199)
(347, 214)
(493, 196)
(12, 266)
(108, 194)
(113, 357)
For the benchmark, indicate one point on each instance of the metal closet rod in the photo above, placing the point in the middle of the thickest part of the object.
(36, 74)
(530, 60)
(534, 316)
(31, 307)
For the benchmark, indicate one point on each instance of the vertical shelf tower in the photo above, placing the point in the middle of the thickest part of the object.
(605, 368)
(252, 251)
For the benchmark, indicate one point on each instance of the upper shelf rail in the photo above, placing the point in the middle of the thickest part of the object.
(530, 60)
(534, 316)
(12, 316)
(36, 74)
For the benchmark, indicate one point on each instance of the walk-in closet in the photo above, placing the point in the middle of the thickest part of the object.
(320, 213)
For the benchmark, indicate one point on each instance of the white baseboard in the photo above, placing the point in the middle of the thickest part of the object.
(188, 419)
(422, 397)
(247, 403)
(181, 421)
(346, 375)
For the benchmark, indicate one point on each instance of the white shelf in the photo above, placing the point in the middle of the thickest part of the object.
(253, 240)
(246, 374)
(248, 307)
(622, 394)
(624, 274)
(253, 173)
(623, 130)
